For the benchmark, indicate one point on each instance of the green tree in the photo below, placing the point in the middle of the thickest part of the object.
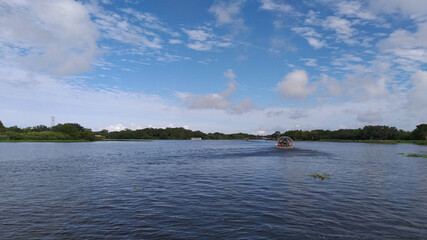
(73, 130)
(420, 132)
(40, 128)
(2, 128)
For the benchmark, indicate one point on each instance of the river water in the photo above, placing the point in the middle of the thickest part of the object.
(211, 190)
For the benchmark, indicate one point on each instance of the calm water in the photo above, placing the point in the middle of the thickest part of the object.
(211, 190)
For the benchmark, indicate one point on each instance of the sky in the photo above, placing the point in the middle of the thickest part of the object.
(253, 66)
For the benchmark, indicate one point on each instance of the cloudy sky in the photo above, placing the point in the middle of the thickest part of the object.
(252, 66)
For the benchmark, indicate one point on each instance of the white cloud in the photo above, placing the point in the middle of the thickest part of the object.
(230, 74)
(354, 9)
(227, 12)
(203, 39)
(316, 43)
(297, 114)
(199, 34)
(272, 5)
(147, 20)
(243, 106)
(218, 101)
(371, 116)
(40, 96)
(342, 27)
(175, 41)
(311, 36)
(334, 87)
(311, 62)
(415, 9)
(123, 29)
(115, 128)
(417, 96)
(53, 36)
(295, 85)
(367, 83)
(408, 45)
(280, 45)
(171, 58)
(213, 100)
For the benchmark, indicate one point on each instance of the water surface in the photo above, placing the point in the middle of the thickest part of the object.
(211, 189)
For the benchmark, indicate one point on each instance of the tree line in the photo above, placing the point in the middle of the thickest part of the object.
(365, 133)
(74, 132)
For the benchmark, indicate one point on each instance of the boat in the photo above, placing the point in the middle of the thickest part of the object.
(284, 142)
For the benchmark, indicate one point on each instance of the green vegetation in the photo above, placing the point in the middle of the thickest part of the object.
(60, 133)
(368, 134)
(75, 132)
(320, 176)
(413, 155)
(172, 133)
(416, 155)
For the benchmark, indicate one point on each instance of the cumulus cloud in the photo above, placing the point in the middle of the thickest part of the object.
(211, 101)
(417, 96)
(219, 101)
(40, 96)
(116, 127)
(243, 106)
(52, 36)
(295, 85)
(410, 46)
(334, 86)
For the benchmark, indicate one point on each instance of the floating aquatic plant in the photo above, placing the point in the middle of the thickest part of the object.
(137, 188)
(413, 155)
(320, 176)
(416, 155)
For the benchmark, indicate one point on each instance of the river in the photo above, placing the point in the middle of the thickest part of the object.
(211, 190)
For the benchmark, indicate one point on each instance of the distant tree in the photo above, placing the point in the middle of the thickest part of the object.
(420, 132)
(40, 128)
(275, 135)
(2, 128)
(14, 129)
(72, 130)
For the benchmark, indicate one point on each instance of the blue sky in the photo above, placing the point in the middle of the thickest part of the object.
(227, 66)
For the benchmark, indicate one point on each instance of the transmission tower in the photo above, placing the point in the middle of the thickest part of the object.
(52, 121)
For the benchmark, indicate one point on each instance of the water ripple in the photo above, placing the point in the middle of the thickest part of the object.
(211, 189)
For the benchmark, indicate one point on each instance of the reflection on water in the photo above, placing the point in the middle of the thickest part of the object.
(211, 189)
